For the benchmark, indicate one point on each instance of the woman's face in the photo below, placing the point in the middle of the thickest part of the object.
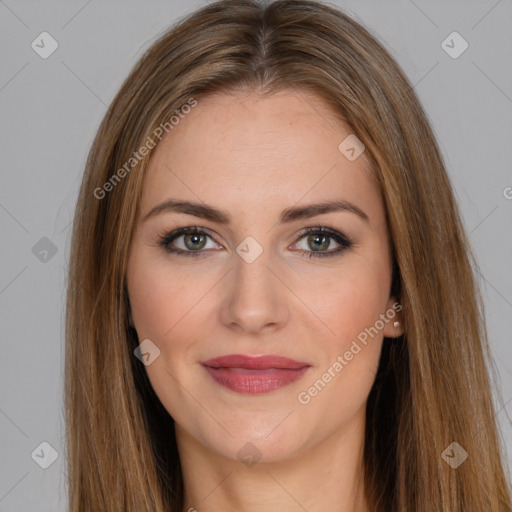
(252, 283)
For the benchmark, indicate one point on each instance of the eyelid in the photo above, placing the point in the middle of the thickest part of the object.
(334, 233)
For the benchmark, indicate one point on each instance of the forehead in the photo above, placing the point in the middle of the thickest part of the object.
(259, 151)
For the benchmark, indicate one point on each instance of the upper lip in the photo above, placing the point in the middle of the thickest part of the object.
(265, 362)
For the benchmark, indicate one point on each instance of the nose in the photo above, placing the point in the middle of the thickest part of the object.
(254, 299)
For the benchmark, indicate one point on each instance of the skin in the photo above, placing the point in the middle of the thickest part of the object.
(253, 156)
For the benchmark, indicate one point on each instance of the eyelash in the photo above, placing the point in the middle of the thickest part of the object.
(166, 239)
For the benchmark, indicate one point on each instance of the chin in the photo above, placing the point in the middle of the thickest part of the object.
(259, 437)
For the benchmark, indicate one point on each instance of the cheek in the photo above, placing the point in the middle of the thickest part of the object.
(342, 380)
(161, 299)
(354, 351)
(351, 301)
(351, 306)
(165, 309)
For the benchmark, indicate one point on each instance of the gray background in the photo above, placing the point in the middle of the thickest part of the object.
(50, 109)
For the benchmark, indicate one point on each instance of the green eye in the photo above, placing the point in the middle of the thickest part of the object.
(320, 238)
(195, 239)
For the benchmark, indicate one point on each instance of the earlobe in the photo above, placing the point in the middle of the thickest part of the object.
(393, 329)
(395, 325)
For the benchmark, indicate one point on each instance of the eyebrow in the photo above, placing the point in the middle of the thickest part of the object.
(291, 214)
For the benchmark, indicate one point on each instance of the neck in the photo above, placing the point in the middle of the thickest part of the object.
(324, 477)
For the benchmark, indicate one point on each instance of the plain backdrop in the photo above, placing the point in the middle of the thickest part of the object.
(50, 109)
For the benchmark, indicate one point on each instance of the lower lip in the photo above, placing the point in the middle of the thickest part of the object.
(253, 382)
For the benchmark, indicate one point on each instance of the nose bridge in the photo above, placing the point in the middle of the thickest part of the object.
(253, 275)
(254, 296)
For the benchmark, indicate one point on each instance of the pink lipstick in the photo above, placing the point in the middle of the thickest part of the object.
(253, 375)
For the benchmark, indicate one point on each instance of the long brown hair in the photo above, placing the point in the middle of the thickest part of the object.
(432, 387)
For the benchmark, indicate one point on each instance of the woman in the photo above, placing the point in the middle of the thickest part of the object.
(272, 303)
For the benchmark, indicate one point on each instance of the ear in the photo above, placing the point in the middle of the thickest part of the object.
(395, 325)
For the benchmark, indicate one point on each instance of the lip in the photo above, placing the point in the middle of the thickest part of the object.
(254, 374)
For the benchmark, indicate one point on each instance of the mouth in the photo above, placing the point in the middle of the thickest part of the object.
(254, 375)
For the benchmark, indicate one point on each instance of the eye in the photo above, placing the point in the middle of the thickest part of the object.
(193, 240)
(320, 238)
